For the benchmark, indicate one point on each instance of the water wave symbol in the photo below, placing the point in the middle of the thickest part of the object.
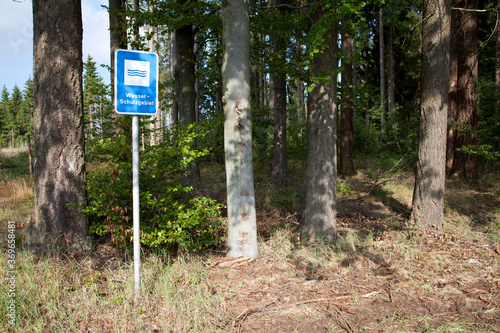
(136, 72)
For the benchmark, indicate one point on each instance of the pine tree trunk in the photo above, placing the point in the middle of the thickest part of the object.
(465, 164)
(346, 149)
(382, 72)
(158, 120)
(497, 70)
(186, 95)
(277, 101)
(242, 223)
(319, 220)
(117, 29)
(59, 138)
(428, 195)
(174, 109)
(390, 72)
(455, 41)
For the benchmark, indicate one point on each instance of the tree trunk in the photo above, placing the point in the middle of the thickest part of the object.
(277, 102)
(186, 95)
(390, 72)
(242, 223)
(301, 105)
(346, 149)
(465, 164)
(157, 121)
(497, 70)
(382, 72)
(117, 29)
(59, 137)
(319, 220)
(428, 195)
(455, 42)
(174, 109)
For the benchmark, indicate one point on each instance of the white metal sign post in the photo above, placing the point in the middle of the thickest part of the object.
(136, 94)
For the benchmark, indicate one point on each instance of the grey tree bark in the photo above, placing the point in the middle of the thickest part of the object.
(319, 221)
(242, 223)
(428, 195)
(58, 126)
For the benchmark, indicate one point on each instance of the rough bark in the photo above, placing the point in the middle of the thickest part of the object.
(157, 122)
(346, 149)
(242, 225)
(277, 102)
(319, 220)
(465, 164)
(382, 71)
(174, 109)
(390, 72)
(186, 95)
(58, 128)
(428, 195)
(455, 42)
(117, 29)
(497, 71)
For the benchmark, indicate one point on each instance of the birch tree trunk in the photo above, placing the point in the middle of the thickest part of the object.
(428, 195)
(242, 224)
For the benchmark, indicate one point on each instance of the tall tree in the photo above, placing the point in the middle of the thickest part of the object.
(453, 103)
(319, 221)
(16, 100)
(27, 108)
(185, 80)
(174, 67)
(277, 101)
(58, 117)
(382, 70)
(428, 195)
(117, 29)
(390, 71)
(464, 118)
(5, 116)
(346, 149)
(242, 223)
(497, 54)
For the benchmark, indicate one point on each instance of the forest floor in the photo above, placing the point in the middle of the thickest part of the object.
(378, 277)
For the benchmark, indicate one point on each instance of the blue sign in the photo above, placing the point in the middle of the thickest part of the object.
(136, 82)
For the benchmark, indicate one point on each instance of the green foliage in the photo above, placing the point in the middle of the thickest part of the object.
(16, 115)
(262, 133)
(167, 218)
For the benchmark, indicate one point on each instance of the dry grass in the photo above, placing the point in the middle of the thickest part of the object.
(13, 152)
(18, 188)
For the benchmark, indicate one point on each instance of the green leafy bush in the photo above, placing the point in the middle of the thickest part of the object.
(167, 218)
